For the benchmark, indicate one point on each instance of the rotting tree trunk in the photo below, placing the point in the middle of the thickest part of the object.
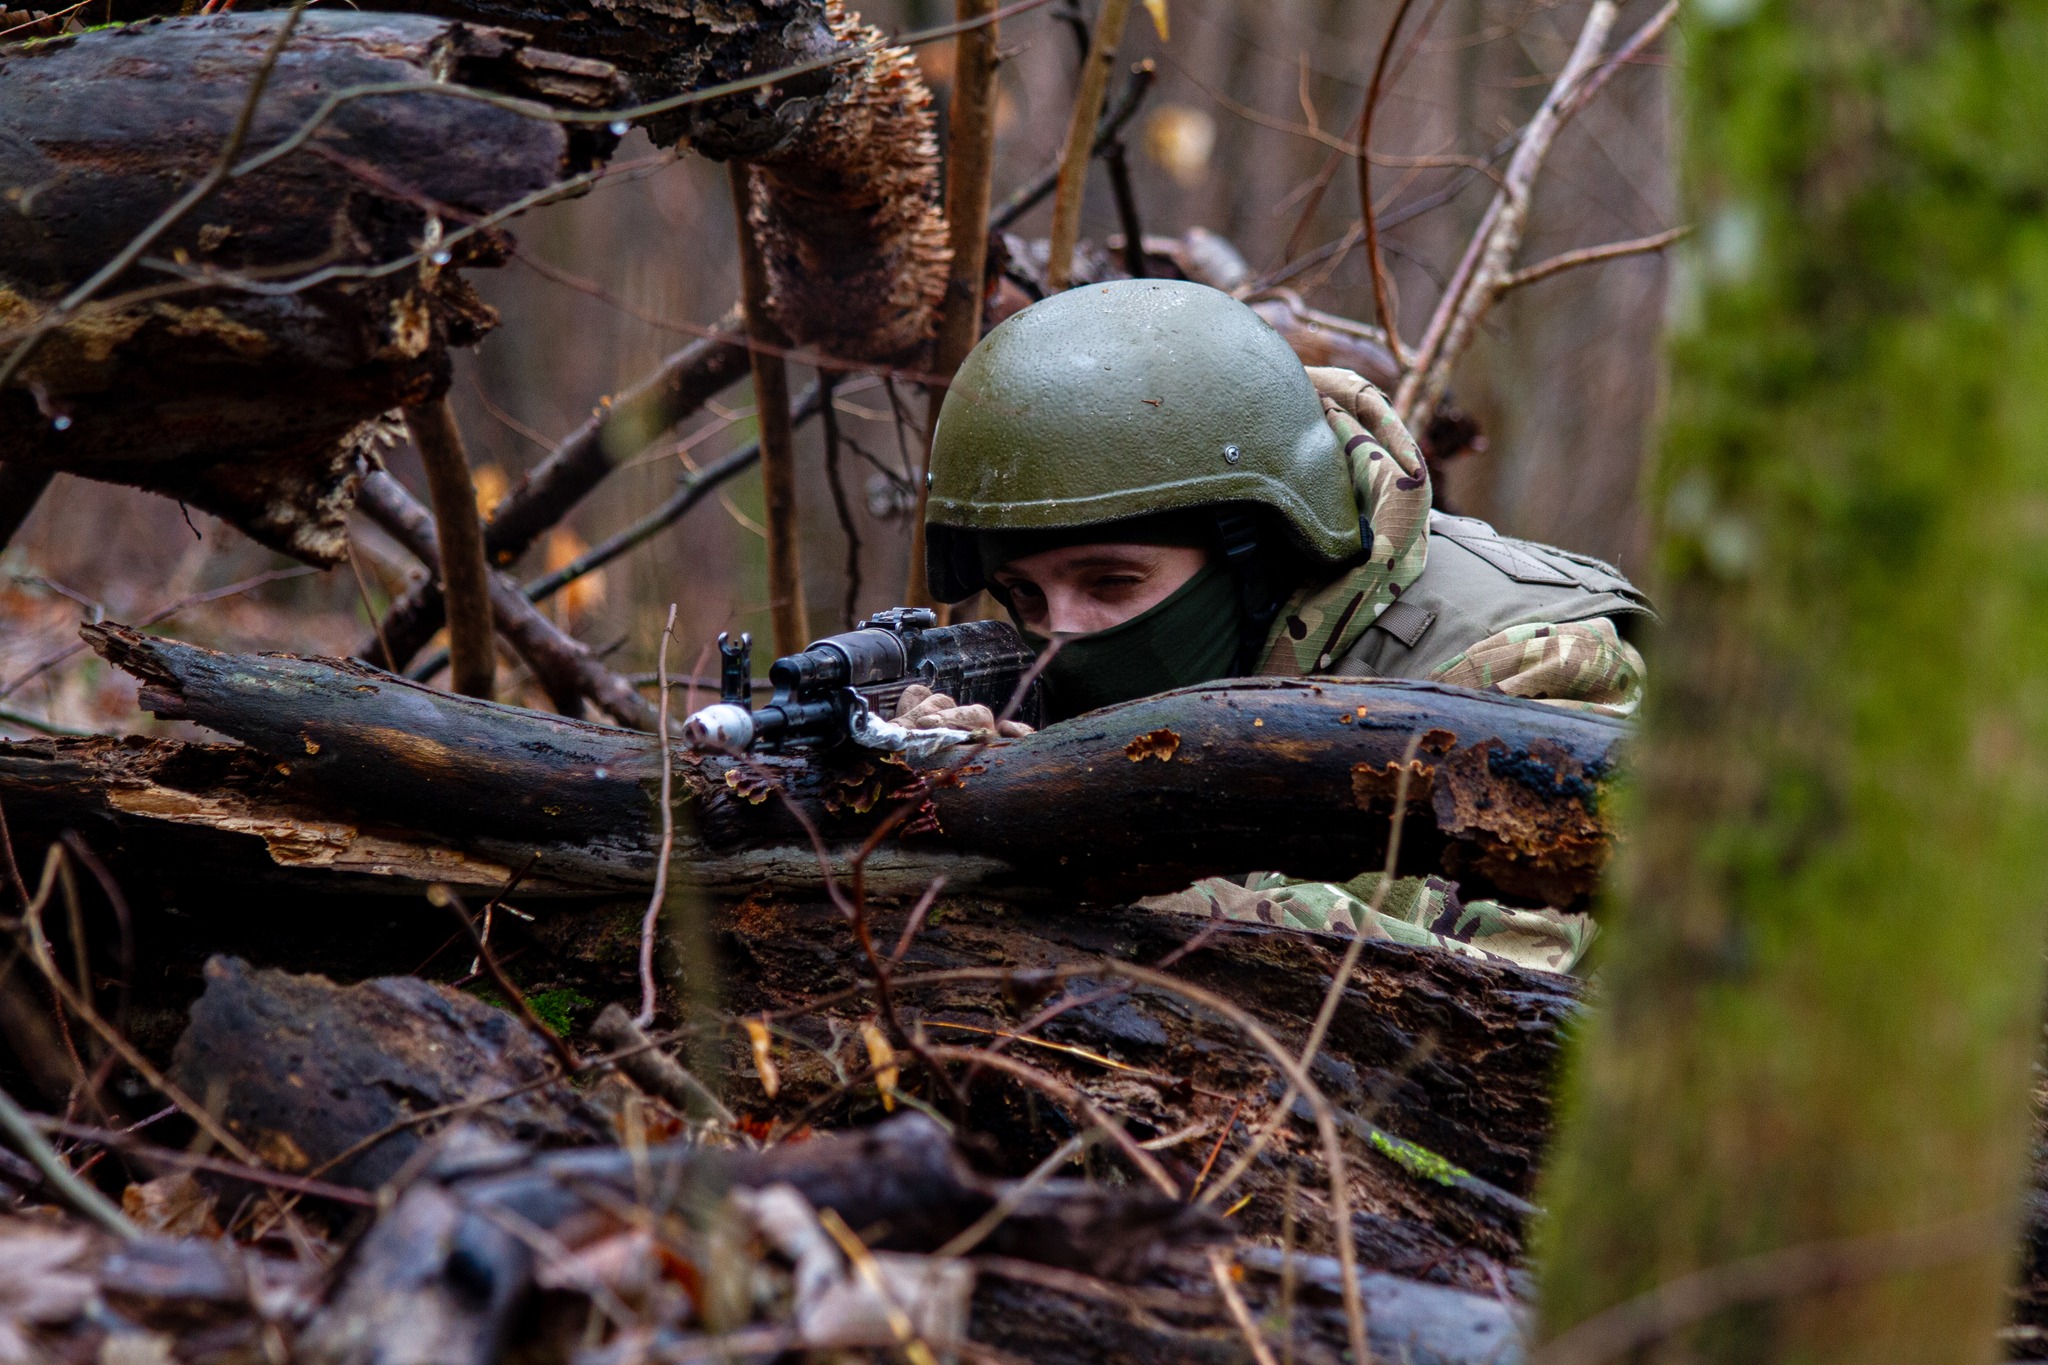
(1823, 979)
(847, 190)
(1293, 775)
(259, 407)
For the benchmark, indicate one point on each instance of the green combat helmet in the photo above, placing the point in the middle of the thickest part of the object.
(1130, 399)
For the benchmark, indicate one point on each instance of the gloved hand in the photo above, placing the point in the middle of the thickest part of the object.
(923, 709)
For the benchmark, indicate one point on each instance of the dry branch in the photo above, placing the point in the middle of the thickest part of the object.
(1488, 264)
(465, 578)
(787, 609)
(1075, 158)
(614, 433)
(564, 665)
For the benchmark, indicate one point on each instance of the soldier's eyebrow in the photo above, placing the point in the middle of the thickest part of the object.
(1110, 559)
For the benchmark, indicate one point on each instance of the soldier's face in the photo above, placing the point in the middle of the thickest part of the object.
(1085, 588)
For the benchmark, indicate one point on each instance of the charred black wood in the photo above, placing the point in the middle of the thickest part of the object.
(303, 1070)
(255, 394)
(21, 488)
(1293, 775)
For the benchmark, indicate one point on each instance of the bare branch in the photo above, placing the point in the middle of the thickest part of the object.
(1593, 255)
(1382, 300)
(464, 575)
(1066, 204)
(1475, 288)
(667, 853)
(786, 606)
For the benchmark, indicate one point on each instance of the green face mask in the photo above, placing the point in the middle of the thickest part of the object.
(1191, 637)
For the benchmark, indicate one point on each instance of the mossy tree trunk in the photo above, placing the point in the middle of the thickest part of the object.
(1822, 987)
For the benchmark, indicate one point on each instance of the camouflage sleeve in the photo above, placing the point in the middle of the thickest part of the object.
(1581, 665)
(1424, 912)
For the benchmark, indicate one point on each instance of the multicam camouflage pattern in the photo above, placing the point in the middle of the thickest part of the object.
(1424, 912)
(1581, 665)
(1321, 622)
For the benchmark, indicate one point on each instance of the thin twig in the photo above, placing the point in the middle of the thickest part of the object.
(1219, 1270)
(363, 594)
(75, 1191)
(1326, 1127)
(1147, 1164)
(39, 954)
(1382, 300)
(48, 727)
(440, 894)
(125, 1140)
(835, 480)
(158, 617)
(1338, 983)
(1094, 83)
(1475, 288)
(786, 608)
(659, 896)
(1033, 191)
(1593, 255)
(975, 1233)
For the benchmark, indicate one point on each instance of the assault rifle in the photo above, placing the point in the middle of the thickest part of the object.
(847, 687)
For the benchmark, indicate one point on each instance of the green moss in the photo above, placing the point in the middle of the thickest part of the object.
(555, 1007)
(1820, 986)
(1417, 1161)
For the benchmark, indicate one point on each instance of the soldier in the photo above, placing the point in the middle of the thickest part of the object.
(1143, 472)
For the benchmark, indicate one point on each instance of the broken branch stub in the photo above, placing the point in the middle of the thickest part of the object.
(255, 393)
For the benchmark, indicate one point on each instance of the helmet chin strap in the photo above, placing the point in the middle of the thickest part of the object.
(1259, 588)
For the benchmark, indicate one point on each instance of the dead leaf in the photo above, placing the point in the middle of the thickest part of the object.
(174, 1205)
(884, 1058)
(764, 1064)
(36, 1285)
(1181, 139)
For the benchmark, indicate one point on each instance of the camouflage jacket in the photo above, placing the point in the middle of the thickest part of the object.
(1450, 600)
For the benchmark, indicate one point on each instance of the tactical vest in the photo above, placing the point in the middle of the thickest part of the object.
(1477, 582)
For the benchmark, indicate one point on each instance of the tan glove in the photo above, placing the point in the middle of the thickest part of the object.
(923, 709)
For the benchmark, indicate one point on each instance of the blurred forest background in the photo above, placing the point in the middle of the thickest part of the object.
(1253, 103)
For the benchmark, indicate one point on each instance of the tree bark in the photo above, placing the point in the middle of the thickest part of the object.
(1822, 987)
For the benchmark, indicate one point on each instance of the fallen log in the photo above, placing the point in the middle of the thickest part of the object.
(1294, 775)
(255, 392)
